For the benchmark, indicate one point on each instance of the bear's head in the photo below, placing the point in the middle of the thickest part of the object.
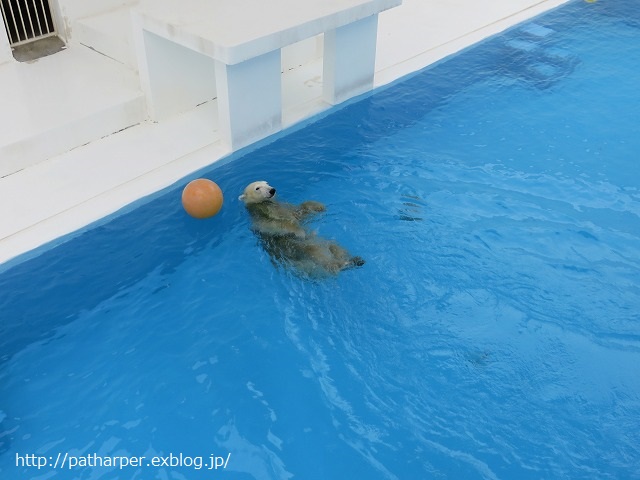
(257, 192)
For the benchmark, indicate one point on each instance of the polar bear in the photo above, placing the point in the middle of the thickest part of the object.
(282, 230)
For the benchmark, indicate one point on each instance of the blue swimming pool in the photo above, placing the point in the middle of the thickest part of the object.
(493, 333)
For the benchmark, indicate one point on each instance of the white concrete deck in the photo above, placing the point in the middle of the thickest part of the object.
(67, 191)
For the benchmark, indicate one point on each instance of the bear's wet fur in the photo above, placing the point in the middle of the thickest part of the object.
(283, 233)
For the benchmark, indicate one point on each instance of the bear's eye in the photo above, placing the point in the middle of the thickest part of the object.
(257, 188)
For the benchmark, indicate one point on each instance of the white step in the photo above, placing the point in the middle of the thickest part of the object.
(61, 102)
(109, 33)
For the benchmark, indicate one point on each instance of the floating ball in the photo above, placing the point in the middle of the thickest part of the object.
(202, 198)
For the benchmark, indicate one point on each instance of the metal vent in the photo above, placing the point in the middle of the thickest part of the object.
(27, 20)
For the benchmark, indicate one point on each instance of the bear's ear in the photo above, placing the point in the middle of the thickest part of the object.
(242, 197)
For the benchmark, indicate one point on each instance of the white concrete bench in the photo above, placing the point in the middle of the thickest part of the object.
(190, 51)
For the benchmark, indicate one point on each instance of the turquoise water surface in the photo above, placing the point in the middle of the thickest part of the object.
(493, 333)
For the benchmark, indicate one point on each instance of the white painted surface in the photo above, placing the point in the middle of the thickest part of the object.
(349, 60)
(246, 49)
(174, 78)
(110, 33)
(60, 102)
(249, 99)
(421, 32)
(245, 38)
(302, 52)
(233, 32)
(5, 49)
(72, 10)
(66, 192)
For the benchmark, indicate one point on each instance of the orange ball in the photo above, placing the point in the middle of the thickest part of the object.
(202, 198)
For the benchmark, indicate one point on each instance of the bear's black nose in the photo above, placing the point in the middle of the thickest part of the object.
(272, 192)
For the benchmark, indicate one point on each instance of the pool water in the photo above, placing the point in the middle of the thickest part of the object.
(493, 333)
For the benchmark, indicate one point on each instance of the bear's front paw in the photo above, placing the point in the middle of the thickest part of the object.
(312, 206)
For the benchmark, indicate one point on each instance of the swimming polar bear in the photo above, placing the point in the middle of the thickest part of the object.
(281, 228)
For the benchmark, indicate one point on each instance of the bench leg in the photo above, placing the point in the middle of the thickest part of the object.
(174, 78)
(349, 60)
(249, 99)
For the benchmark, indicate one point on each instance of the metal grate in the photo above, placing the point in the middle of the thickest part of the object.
(27, 20)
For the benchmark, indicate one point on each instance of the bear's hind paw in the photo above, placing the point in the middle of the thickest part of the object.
(356, 262)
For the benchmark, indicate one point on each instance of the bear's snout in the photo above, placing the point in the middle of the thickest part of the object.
(272, 191)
